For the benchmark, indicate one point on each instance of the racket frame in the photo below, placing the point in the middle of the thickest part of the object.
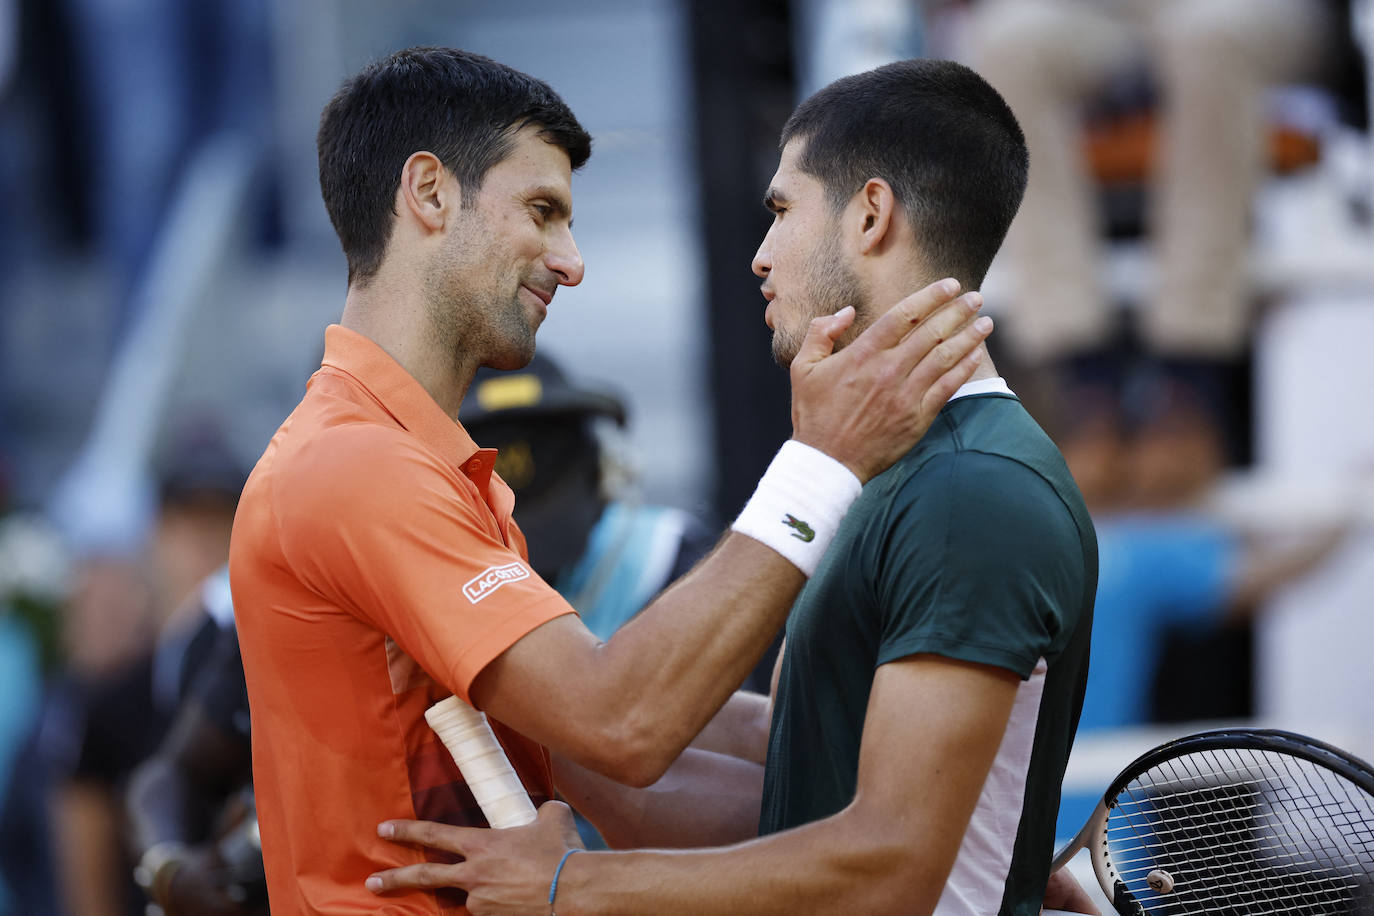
(1093, 835)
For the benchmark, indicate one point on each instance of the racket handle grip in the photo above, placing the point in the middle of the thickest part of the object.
(483, 763)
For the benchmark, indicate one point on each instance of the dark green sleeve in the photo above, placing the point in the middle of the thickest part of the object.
(979, 560)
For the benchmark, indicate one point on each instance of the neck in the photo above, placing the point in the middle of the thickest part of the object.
(890, 289)
(985, 369)
(393, 316)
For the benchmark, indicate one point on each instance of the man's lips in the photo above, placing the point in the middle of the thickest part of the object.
(543, 296)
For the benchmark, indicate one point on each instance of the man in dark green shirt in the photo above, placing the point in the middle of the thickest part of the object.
(935, 663)
(975, 548)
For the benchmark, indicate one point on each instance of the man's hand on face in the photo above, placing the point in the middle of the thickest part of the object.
(867, 405)
(505, 872)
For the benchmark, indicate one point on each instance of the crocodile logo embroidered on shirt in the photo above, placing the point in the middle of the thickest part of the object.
(803, 531)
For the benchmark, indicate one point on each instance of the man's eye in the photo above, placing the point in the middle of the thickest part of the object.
(543, 211)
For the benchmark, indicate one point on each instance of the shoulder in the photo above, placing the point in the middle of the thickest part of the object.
(354, 462)
(982, 516)
(358, 477)
(968, 486)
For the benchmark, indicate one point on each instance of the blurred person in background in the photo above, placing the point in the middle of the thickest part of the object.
(131, 648)
(1212, 62)
(190, 805)
(1168, 565)
(1178, 585)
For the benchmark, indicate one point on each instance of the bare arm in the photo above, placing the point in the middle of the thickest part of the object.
(1268, 568)
(740, 729)
(705, 799)
(889, 851)
(627, 708)
(709, 796)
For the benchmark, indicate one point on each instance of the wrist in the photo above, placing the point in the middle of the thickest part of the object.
(858, 469)
(157, 867)
(557, 876)
(799, 504)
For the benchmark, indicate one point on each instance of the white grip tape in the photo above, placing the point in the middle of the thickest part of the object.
(482, 762)
(799, 504)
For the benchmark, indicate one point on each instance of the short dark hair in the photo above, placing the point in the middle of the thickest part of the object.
(462, 107)
(940, 136)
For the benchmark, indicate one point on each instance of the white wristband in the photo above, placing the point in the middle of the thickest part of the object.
(799, 503)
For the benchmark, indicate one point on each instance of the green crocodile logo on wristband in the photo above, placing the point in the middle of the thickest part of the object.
(804, 533)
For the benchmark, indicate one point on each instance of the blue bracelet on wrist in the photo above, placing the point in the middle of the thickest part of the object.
(553, 886)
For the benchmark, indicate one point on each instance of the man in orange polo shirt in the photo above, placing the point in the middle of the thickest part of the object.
(375, 566)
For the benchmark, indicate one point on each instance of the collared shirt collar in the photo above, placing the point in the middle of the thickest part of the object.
(359, 357)
(995, 385)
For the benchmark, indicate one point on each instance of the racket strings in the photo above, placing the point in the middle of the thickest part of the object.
(1244, 831)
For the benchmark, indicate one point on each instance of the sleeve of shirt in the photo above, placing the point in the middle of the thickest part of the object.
(980, 561)
(379, 526)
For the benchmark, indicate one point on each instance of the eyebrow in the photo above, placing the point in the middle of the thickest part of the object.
(773, 199)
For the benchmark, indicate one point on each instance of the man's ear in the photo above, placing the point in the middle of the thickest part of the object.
(425, 192)
(876, 208)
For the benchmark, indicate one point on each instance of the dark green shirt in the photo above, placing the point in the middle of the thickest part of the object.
(975, 546)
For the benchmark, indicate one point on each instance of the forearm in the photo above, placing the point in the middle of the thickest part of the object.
(845, 863)
(628, 707)
(1267, 568)
(704, 799)
(693, 647)
(889, 850)
(740, 729)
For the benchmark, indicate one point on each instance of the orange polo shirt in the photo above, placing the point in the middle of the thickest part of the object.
(375, 570)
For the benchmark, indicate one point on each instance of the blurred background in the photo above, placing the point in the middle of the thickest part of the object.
(1186, 303)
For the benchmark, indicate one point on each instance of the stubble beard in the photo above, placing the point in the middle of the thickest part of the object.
(488, 323)
(831, 285)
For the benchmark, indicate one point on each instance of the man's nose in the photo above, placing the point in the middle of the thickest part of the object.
(566, 261)
(763, 260)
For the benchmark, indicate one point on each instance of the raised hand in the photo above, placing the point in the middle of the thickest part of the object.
(867, 405)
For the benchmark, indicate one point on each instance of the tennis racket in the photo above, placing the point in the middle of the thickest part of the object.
(1236, 821)
(480, 758)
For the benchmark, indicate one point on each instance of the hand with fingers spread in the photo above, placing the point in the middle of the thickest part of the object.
(868, 404)
(505, 872)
